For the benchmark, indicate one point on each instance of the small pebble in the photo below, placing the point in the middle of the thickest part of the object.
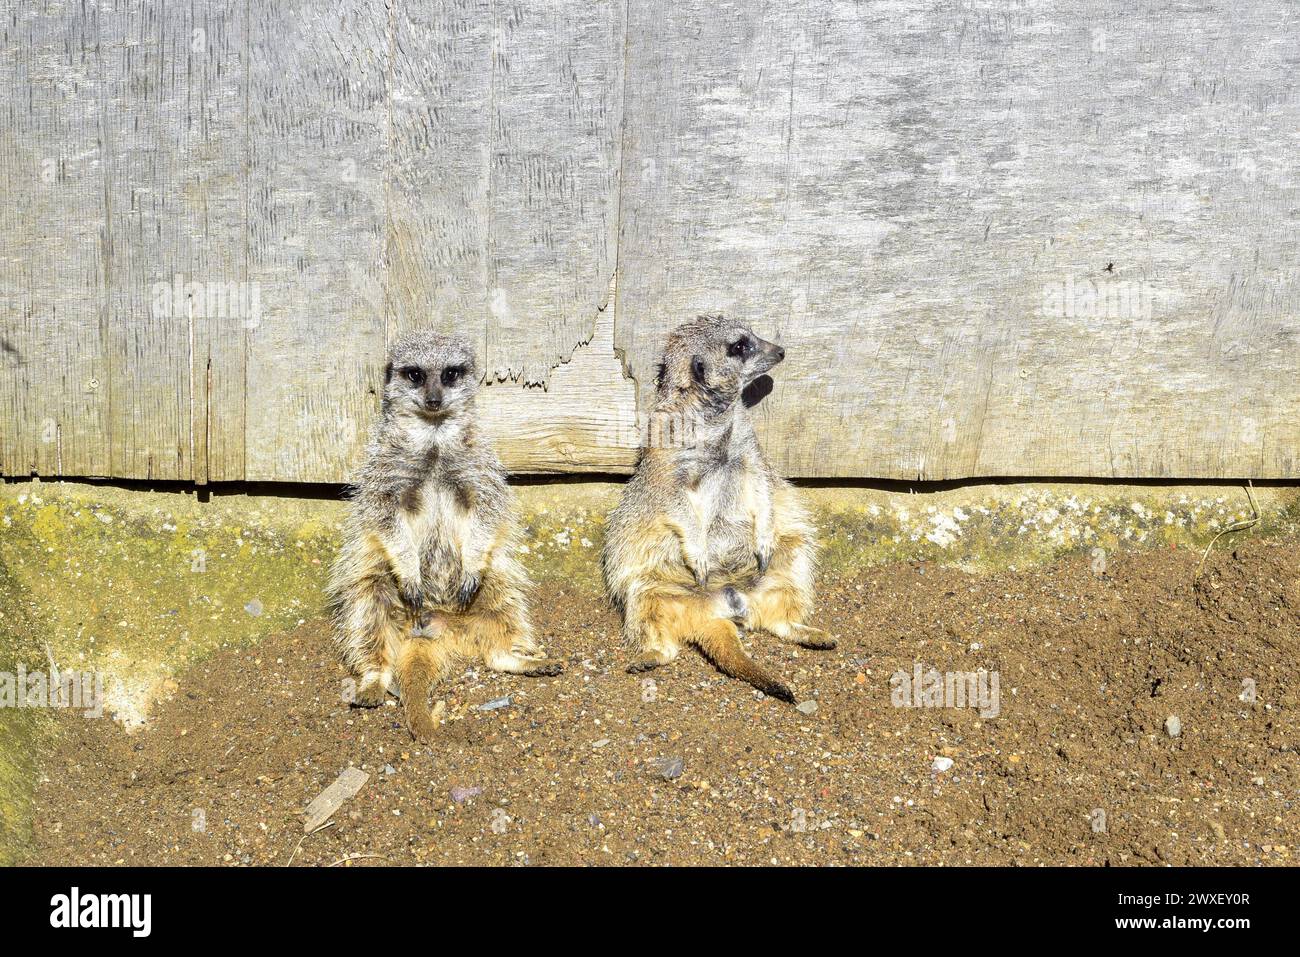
(1173, 726)
(254, 608)
(495, 703)
(667, 768)
(807, 707)
(941, 764)
(460, 795)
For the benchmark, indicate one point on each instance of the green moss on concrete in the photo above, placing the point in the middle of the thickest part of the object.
(564, 531)
(21, 730)
(988, 528)
(135, 586)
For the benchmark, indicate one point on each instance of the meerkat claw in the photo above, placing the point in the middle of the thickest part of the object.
(544, 668)
(412, 596)
(468, 589)
(641, 665)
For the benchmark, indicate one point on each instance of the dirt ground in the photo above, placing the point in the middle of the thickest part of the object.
(1078, 766)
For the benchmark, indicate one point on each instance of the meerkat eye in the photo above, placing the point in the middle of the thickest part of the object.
(451, 375)
(741, 348)
(413, 375)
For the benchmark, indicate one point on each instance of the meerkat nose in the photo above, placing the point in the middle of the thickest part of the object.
(780, 353)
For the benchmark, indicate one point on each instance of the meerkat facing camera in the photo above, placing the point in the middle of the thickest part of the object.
(428, 572)
(708, 539)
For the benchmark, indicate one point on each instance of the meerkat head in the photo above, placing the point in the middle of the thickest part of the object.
(430, 376)
(718, 359)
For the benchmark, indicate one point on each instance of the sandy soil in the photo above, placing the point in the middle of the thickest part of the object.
(1077, 767)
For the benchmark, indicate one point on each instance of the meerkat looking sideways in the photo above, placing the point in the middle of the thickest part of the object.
(428, 573)
(707, 539)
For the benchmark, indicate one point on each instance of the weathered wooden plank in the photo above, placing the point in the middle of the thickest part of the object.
(172, 101)
(53, 357)
(556, 129)
(906, 195)
(919, 200)
(502, 210)
(583, 420)
(503, 185)
(438, 176)
(318, 134)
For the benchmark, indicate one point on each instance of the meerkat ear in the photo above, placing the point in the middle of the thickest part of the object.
(698, 369)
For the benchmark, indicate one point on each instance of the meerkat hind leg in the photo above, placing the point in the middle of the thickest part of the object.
(815, 638)
(514, 663)
(384, 624)
(776, 610)
(505, 647)
(652, 658)
(663, 621)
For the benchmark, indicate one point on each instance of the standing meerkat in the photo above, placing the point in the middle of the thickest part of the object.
(707, 539)
(428, 573)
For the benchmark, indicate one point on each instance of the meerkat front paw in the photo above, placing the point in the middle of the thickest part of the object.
(699, 567)
(469, 588)
(412, 596)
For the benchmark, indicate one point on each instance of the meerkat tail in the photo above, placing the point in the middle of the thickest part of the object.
(720, 642)
(421, 664)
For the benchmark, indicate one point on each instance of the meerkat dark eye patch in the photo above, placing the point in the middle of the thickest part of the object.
(413, 375)
(741, 348)
(698, 369)
(452, 374)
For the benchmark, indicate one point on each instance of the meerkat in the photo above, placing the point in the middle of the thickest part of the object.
(428, 573)
(708, 540)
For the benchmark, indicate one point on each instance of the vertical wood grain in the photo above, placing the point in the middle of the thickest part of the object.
(54, 359)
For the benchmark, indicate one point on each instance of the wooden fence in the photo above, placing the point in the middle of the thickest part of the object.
(997, 237)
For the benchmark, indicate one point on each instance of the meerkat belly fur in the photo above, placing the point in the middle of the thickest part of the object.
(428, 574)
(707, 539)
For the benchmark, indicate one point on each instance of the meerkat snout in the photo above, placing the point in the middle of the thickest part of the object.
(751, 355)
